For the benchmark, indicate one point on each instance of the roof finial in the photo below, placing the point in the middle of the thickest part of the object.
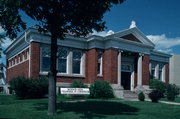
(133, 24)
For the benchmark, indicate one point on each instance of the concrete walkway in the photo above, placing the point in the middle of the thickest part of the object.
(165, 102)
(171, 103)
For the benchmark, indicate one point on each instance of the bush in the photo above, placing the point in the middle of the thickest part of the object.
(141, 96)
(78, 84)
(155, 95)
(101, 89)
(29, 87)
(172, 91)
(158, 85)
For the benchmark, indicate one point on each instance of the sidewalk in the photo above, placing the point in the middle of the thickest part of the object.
(171, 103)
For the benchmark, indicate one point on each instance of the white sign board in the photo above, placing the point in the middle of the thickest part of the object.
(80, 91)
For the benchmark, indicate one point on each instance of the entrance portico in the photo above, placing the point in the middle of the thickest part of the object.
(127, 64)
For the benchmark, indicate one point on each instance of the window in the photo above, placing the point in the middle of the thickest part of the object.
(99, 64)
(23, 56)
(45, 61)
(27, 53)
(76, 62)
(62, 60)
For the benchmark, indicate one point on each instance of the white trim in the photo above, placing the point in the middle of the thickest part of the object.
(17, 59)
(16, 41)
(29, 60)
(64, 74)
(69, 63)
(18, 64)
(18, 53)
(83, 64)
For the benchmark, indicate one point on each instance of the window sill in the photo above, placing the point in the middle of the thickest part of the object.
(65, 75)
(70, 75)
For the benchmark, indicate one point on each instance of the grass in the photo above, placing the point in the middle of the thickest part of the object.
(11, 108)
(177, 100)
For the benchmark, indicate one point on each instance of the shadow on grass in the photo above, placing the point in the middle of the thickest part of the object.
(5, 118)
(91, 109)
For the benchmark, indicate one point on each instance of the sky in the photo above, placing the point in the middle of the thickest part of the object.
(159, 20)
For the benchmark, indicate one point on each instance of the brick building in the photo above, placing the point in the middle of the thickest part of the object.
(126, 59)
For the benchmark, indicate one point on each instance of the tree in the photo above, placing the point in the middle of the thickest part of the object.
(2, 38)
(78, 17)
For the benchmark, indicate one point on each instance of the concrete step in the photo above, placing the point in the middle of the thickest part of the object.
(131, 95)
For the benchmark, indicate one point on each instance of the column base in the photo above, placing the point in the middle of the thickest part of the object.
(118, 90)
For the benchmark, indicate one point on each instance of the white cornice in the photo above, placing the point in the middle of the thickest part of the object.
(94, 41)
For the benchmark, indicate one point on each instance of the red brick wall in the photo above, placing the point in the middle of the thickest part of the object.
(21, 69)
(91, 65)
(167, 73)
(35, 59)
(110, 66)
(18, 68)
(145, 70)
(69, 79)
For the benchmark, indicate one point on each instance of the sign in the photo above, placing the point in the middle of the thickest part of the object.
(77, 91)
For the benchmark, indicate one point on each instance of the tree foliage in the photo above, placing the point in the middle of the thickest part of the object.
(58, 17)
(70, 16)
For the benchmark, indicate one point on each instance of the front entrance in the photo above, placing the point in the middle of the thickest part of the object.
(126, 80)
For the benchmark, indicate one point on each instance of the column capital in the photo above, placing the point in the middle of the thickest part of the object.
(120, 51)
(141, 54)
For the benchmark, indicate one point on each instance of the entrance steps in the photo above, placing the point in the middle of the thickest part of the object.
(132, 95)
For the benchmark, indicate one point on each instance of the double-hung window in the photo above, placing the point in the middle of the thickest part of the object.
(62, 60)
(76, 62)
(45, 61)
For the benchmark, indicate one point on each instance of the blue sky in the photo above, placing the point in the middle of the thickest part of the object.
(159, 20)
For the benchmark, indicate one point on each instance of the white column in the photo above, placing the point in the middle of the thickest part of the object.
(150, 68)
(139, 76)
(157, 71)
(119, 68)
(163, 73)
(132, 80)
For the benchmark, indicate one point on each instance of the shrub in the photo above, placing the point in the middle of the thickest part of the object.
(29, 87)
(101, 89)
(155, 95)
(141, 96)
(78, 84)
(158, 85)
(172, 91)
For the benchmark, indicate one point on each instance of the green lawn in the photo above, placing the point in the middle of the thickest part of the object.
(11, 108)
(176, 100)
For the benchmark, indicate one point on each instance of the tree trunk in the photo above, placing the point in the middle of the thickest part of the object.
(52, 73)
